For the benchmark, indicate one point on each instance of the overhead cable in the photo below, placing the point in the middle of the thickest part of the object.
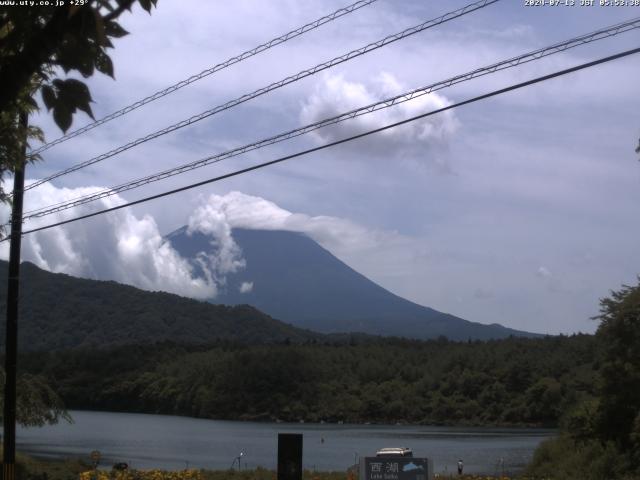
(209, 71)
(382, 104)
(338, 142)
(286, 81)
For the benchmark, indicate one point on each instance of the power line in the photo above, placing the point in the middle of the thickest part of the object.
(293, 78)
(209, 71)
(344, 140)
(600, 34)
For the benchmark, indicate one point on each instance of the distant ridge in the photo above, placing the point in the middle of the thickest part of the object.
(297, 281)
(58, 311)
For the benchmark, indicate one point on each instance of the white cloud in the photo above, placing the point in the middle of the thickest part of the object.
(123, 247)
(431, 269)
(544, 272)
(334, 95)
(118, 246)
(222, 213)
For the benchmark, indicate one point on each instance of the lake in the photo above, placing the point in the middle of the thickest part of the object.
(169, 442)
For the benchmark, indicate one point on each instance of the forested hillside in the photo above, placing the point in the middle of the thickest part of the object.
(58, 311)
(506, 382)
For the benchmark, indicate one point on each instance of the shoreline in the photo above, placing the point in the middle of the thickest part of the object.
(259, 419)
(171, 442)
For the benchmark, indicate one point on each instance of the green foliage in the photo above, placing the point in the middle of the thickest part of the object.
(619, 335)
(562, 459)
(375, 380)
(601, 435)
(36, 402)
(13, 137)
(30, 468)
(64, 97)
(619, 407)
(581, 422)
(37, 42)
(61, 312)
(264, 474)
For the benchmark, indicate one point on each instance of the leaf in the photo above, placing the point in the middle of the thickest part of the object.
(68, 52)
(85, 68)
(35, 132)
(113, 29)
(76, 89)
(62, 117)
(104, 64)
(75, 94)
(48, 96)
(31, 103)
(127, 3)
(101, 36)
(77, 54)
(86, 108)
(146, 4)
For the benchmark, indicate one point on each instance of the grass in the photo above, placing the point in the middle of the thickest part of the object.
(30, 468)
(37, 469)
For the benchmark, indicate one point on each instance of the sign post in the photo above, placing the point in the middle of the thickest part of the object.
(95, 459)
(289, 456)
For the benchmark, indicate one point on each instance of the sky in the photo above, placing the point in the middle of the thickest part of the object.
(521, 209)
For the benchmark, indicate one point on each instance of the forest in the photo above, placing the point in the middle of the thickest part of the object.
(586, 385)
(58, 311)
(508, 382)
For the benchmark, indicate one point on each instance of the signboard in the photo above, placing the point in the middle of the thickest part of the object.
(396, 468)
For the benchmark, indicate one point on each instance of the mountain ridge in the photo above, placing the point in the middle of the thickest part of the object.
(296, 280)
(58, 311)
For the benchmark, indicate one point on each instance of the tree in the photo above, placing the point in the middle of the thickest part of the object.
(40, 43)
(37, 404)
(619, 335)
(39, 46)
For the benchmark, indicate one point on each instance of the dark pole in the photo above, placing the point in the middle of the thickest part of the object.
(11, 349)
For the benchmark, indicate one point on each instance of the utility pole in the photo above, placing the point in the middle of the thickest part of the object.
(11, 339)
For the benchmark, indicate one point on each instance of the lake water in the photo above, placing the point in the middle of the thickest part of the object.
(168, 442)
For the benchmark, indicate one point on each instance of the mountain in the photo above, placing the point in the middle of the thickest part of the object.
(58, 311)
(297, 281)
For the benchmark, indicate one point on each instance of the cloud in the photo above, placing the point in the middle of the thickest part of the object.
(222, 213)
(433, 269)
(544, 272)
(335, 95)
(123, 247)
(118, 246)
